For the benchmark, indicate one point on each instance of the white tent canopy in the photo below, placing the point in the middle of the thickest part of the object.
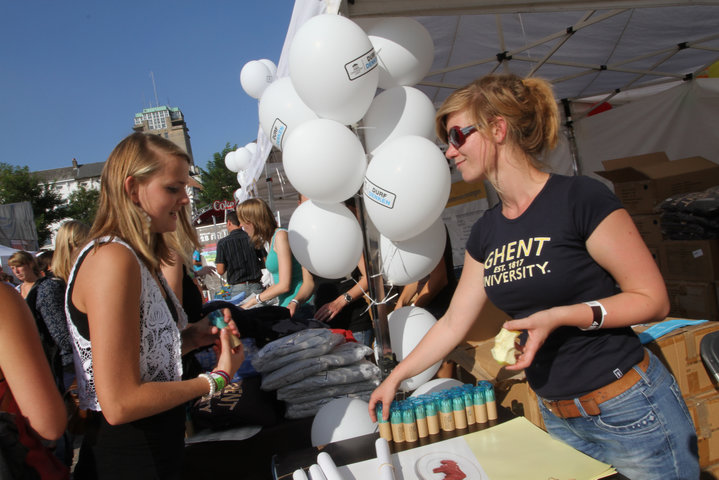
(591, 51)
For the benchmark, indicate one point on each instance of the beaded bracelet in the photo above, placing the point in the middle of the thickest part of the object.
(224, 375)
(213, 385)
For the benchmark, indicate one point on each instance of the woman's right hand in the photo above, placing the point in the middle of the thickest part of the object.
(230, 359)
(384, 394)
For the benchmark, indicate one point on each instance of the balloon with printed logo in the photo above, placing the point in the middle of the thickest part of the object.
(407, 326)
(255, 77)
(397, 112)
(410, 260)
(281, 110)
(242, 158)
(325, 238)
(324, 161)
(271, 67)
(406, 187)
(333, 68)
(405, 50)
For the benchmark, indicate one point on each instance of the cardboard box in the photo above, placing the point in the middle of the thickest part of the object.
(642, 181)
(704, 410)
(697, 300)
(696, 260)
(680, 351)
(650, 228)
(517, 396)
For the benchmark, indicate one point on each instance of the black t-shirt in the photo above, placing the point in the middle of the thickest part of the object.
(540, 260)
(241, 260)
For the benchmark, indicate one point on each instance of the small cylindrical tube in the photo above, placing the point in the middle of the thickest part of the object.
(421, 416)
(430, 410)
(446, 415)
(480, 406)
(395, 419)
(410, 424)
(385, 429)
(489, 398)
(460, 416)
(469, 405)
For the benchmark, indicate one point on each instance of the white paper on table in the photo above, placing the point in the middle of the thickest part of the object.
(418, 463)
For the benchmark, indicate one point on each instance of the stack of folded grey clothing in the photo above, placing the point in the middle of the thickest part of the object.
(691, 216)
(311, 367)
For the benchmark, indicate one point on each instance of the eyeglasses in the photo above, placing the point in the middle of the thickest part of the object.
(457, 136)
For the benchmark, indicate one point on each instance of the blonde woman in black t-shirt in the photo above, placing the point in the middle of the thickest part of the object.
(563, 258)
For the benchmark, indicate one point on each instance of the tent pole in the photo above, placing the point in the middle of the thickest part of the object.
(569, 123)
(386, 360)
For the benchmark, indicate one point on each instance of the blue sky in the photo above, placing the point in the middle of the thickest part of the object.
(74, 73)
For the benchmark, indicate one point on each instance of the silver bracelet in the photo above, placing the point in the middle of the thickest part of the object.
(211, 381)
(294, 300)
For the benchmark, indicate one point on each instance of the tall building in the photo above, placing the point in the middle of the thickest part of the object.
(167, 122)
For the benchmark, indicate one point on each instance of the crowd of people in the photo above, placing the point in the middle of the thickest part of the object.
(117, 310)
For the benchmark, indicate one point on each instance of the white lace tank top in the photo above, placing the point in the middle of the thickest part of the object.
(160, 349)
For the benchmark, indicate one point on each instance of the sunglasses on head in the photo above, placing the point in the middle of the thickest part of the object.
(457, 136)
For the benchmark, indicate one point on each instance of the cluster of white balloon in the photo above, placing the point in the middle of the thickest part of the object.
(336, 66)
(255, 77)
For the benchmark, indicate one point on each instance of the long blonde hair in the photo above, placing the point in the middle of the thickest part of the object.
(70, 237)
(526, 104)
(139, 156)
(258, 213)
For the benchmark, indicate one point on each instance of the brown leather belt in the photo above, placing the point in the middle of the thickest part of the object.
(590, 402)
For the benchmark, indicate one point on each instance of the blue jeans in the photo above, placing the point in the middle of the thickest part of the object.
(249, 288)
(365, 337)
(645, 432)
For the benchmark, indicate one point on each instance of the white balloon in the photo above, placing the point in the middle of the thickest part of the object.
(231, 162)
(436, 385)
(397, 112)
(324, 161)
(406, 187)
(340, 419)
(404, 47)
(271, 67)
(334, 68)
(410, 260)
(325, 238)
(252, 148)
(407, 326)
(244, 179)
(281, 110)
(242, 158)
(239, 195)
(255, 77)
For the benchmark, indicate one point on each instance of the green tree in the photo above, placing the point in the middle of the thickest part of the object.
(18, 184)
(218, 182)
(82, 204)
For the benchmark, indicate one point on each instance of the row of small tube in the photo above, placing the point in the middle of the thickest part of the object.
(448, 410)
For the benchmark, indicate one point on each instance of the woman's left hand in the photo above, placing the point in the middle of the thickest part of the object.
(328, 311)
(538, 327)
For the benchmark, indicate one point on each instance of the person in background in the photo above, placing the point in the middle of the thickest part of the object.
(257, 220)
(126, 321)
(28, 392)
(196, 260)
(565, 261)
(238, 257)
(70, 237)
(44, 262)
(338, 302)
(25, 268)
